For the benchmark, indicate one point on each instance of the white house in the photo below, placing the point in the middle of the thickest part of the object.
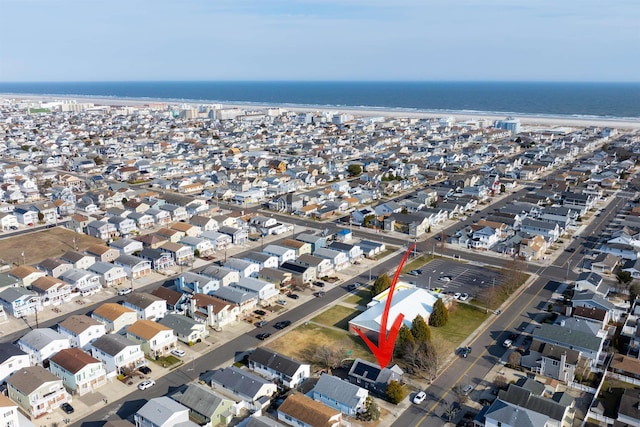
(42, 343)
(147, 306)
(118, 354)
(11, 360)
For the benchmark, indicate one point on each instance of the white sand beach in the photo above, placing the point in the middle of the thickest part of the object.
(528, 121)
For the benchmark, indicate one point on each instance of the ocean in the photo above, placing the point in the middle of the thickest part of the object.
(574, 100)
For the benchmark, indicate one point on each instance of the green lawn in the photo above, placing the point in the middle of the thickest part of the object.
(359, 298)
(337, 316)
(462, 322)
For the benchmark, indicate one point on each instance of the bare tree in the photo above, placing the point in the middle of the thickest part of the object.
(514, 359)
(461, 396)
(500, 381)
(326, 356)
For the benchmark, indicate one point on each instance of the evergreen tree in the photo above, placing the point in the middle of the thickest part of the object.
(405, 338)
(382, 283)
(440, 314)
(372, 412)
(395, 392)
(420, 330)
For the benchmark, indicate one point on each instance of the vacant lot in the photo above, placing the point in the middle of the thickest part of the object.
(337, 316)
(39, 245)
(359, 298)
(463, 320)
(312, 335)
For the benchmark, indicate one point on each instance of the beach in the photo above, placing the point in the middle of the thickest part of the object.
(527, 121)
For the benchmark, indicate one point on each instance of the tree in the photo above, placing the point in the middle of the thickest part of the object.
(439, 315)
(451, 410)
(124, 200)
(40, 217)
(354, 170)
(634, 291)
(500, 381)
(404, 339)
(372, 412)
(514, 274)
(514, 359)
(503, 188)
(461, 396)
(382, 283)
(368, 220)
(420, 330)
(624, 277)
(404, 211)
(196, 253)
(395, 392)
(423, 359)
(328, 356)
(98, 161)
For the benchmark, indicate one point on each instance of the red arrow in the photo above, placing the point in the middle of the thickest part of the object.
(384, 350)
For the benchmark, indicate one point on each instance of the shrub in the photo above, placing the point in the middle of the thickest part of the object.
(395, 392)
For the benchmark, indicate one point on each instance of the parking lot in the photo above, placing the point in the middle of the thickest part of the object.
(462, 277)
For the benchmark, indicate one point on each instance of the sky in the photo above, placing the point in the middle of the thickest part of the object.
(311, 40)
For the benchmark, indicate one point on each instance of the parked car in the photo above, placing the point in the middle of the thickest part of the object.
(13, 227)
(318, 284)
(467, 389)
(466, 351)
(125, 291)
(146, 384)
(419, 398)
(145, 370)
(178, 352)
(260, 312)
(319, 294)
(413, 273)
(457, 295)
(293, 296)
(445, 279)
(67, 408)
(464, 297)
(282, 324)
(507, 343)
(281, 302)
(260, 324)
(263, 336)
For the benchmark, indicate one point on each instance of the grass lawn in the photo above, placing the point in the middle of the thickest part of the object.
(416, 263)
(165, 361)
(337, 316)
(359, 298)
(295, 341)
(462, 322)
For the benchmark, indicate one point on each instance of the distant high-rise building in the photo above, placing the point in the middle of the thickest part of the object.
(510, 124)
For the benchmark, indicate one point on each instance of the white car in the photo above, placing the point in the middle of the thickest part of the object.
(419, 398)
(457, 295)
(464, 297)
(467, 389)
(507, 343)
(282, 302)
(146, 384)
(125, 291)
(445, 279)
(178, 352)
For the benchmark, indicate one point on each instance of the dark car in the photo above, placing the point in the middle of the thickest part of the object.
(263, 336)
(319, 284)
(145, 370)
(283, 324)
(260, 312)
(293, 296)
(319, 294)
(68, 409)
(260, 324)
(571, 249)
(465, 351)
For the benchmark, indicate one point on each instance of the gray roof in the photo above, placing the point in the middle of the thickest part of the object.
(8, 350)
(159, 409)
(217, 272)
(199, 399)
(567, 337)
(13, 293)
(238, 264)
(28, 379)
(263, 421)
(508, 414)
(190, 277)
(102, 267)
(259, 257)
(142, 299)
(233, 295)
(112, 344)
(525, 399)
(238, 381)
(130, 260)
(591, 297)
(336, 389)
(38, 338)
(75, 274)
(180, 324)
(275, 361)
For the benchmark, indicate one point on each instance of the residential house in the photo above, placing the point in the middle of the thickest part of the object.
(212, 311)
(81, 330)
(199, 245)
(83, 281)
(118, 354)
(189, 230)
(322, 266)
(12, 359)
(134, 266)
(371, 377)
(80, 372)
(52, 291)
(127, 246)
(19, 302)
(186, 329)
(115, 317)
(223, 275)
(102, 230)
(588, 344)
(124, 225)
(299, 410)
(109, 275)
(163, 412)
(54, 267)
(146, 305)
(9, 414)
(243, 267)
(275, 366)
(42, 343)
(243, 385)
(78, 259)
(316, 241)
(26, 274)
(176, 301)
(300, 274)
(264, 291)
(205, 405)
(239, 236)
(219, 240)
(549, 230)
(191, 283)
(241, 298)
(160, 260)
(36, 390)
(263, 260)
(204, 222)
(589, 281)
(340, 395)
(102, 253)
(182, 254)
(353, 251)
(155, 339)
(339, 260)
(533, 248)
(142, 220)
